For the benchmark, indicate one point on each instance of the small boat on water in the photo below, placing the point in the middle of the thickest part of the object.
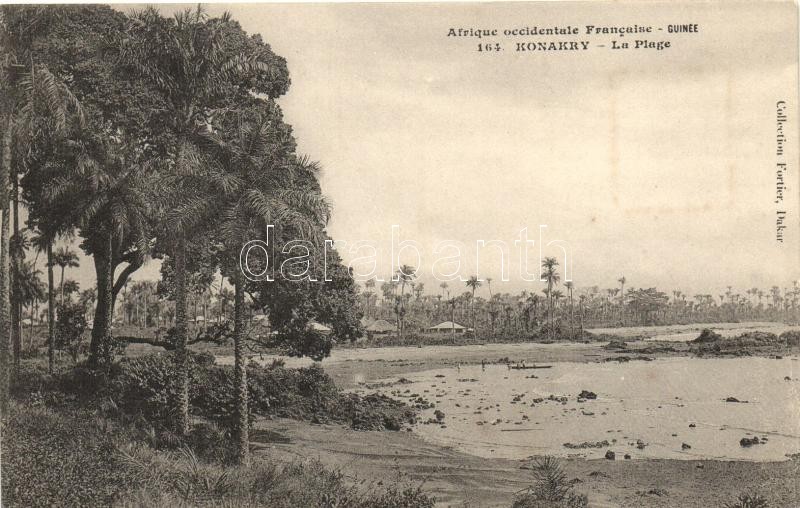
(534, 366)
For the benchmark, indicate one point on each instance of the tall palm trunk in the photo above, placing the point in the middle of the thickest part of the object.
(16, 301)
(240, 369)
(51, 311)
(571, 320)
(181, 332)
(61, 288)
(472, 305)
(552, 331)
(33, 307)
(5, 286)
(221, 301)
(453, 321)
(100, 348)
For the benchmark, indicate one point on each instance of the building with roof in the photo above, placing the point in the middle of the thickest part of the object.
(448, 327)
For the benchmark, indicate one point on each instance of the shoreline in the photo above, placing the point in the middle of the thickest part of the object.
(455, 477)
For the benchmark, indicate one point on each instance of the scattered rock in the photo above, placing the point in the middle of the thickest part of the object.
(708, 335)
(685, 446)
(610, 455)
(627, 456)
(653, 492)
(734, 399)
(586, 444)
(748, 442)
(692, 425)
(587, 395)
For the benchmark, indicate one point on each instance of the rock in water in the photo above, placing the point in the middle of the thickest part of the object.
(685, 446)
(747, 442)
(610, 455)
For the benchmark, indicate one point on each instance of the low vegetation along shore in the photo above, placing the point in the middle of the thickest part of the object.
(83, 437)
(76, 436)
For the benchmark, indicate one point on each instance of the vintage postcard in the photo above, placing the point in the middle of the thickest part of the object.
(478, 254)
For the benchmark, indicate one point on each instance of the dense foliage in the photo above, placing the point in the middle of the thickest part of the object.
(146, 135)
(75, 457)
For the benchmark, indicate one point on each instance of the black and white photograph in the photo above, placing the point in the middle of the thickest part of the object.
(523, 254)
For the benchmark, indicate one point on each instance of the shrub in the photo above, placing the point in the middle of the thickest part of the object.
(69, 328)
(145, 385)
(550, 489)
(212, 443)
(708, 335)
(144, 388)
(791, 337)
(747, 500)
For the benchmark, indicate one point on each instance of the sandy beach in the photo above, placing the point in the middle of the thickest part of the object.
(457, 478)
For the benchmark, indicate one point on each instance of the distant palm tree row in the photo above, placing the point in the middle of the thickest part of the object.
(568, 312)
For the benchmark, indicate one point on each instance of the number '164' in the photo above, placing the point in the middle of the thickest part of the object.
(489, 46)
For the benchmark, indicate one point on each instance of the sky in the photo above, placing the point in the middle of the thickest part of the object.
(655, 165)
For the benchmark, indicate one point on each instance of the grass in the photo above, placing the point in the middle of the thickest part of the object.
(66, 441)
(68, 456)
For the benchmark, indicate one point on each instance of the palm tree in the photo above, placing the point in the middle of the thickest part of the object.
(552, 277)
(44, 242)
(369, 285)
(419, 288)
(225, 297)
(30, 288)
(64, 258)
(87, 299)
(404, 275)
(473, 283)
(70, 287)
(258, 192)
(452, 303)
(105, 192)
(31, 96)
(622, 282)
(187, 60)
(569, 285)
(443, 286)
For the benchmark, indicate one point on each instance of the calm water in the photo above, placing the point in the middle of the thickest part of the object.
(652, 402)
